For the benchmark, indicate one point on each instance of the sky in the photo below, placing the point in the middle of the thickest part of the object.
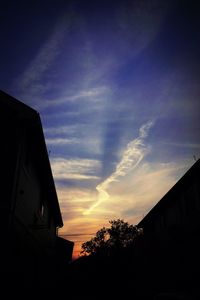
(116, 84)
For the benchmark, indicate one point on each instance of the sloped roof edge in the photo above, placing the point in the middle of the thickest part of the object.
(167, 198)
(25, 112)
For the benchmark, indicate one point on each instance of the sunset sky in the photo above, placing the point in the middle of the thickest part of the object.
(117, 86)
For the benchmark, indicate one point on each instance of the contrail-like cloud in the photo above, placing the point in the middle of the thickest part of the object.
(132, 156)
(29, 81)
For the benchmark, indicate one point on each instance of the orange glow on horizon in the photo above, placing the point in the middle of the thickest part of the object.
(129, 199)
(78, 241)
(76, 250)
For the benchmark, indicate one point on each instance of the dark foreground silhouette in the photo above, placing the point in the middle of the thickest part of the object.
(122, 276)
(164, 263)
(129, 276)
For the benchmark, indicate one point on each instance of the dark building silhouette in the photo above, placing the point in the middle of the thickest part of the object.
(29, 208)
(64, 250)
(179, 208)
(170, 249)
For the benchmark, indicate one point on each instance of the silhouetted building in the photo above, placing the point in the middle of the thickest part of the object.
(64, 250)
(170, 245)
(29, 209)
(179, 208)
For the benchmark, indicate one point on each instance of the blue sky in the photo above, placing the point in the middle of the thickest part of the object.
(116, 84)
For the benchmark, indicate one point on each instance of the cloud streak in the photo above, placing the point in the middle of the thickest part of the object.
(70, 129)
(60, 141)
(132, 156)
(75, 169)
(29, 82)
(131, 198)
(91, 94)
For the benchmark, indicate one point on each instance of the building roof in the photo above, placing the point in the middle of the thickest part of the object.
(31, 118)
(172, 195)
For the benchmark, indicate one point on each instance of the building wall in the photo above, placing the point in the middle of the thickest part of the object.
(32, 216)
(8, 156)
(27, 226)
(33, 227)
(169, 249)
(29, 209)
(181, 208)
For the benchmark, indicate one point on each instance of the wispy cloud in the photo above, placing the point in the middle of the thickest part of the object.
(130, 198)
(29, 82)
(85, 135)
(60, 141)
(134, 153)
(140, 190)
(91, 145)
(76, 169)
(70, 129)
(91, 94)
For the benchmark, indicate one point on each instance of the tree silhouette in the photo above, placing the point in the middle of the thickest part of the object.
(107, 241)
